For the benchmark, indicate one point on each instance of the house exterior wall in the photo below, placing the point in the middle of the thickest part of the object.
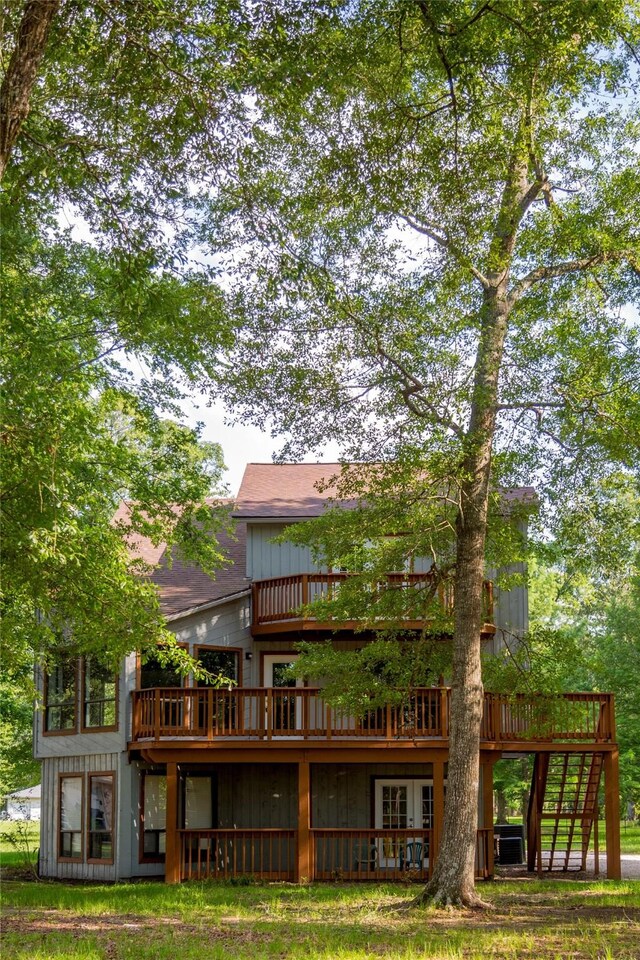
(268, 559)
(52, 769)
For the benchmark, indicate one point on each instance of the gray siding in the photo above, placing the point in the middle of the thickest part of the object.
(226, 625)
(258, 796)
(52, 769)
(85, 744)
(511, 613)
(266, 559)
(341, 793)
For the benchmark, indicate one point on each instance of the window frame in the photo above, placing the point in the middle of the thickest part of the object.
(238, 651)
(142, 856)
(105, 861)
(184, 680)
(59, 831)
(63, 732)
(110, 728)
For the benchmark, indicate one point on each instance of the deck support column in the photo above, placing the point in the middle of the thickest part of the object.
(612, 813)
(438, 809)
(173, 853)
(304, 865)
(487, 810)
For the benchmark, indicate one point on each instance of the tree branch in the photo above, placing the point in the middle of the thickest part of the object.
(414, 386)
(445, 243)
(570, 266)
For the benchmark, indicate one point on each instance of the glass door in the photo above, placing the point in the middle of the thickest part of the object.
(286, 708)
(402, 805)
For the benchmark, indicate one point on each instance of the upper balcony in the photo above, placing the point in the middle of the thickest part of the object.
(286, 716)
(279, 602)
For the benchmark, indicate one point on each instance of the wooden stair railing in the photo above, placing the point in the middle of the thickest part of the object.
(563, 805)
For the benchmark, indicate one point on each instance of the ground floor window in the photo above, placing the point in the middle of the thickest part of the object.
(154, 816)
(101, 812)
(70, 818)
(198, 802)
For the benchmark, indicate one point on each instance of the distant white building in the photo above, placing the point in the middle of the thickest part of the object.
(24, 804)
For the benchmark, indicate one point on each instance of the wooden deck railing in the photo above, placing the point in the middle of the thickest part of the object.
(281, 599)
(220, 854)
(338, 854)
(264, 713)
(346, 854)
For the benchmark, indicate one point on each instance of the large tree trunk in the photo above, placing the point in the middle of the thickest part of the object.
(453, 881)
(15, 93)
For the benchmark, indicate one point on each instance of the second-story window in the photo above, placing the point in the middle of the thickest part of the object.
(60, 691)
(155, 674)
(219, 663)
(99, 696)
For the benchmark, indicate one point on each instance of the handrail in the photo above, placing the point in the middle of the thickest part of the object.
(278, 599)
(268, 713)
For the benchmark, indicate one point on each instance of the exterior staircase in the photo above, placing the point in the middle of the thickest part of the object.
(563, 806)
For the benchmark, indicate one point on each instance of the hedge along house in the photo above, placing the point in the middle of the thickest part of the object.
(148, 773)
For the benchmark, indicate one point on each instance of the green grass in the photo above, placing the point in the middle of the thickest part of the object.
(19, 842)
(629, 836)
(537, 920)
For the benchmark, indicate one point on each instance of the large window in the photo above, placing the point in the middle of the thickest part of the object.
(70, 818)
(60, 697)
(99, 696)
(219, 662)
(155, 674)
(100, 826)
(198, 802)
(154, 816)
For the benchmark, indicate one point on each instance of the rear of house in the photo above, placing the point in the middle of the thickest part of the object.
(151, 773)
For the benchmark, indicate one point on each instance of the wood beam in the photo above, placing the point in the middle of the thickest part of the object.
(438, 805)
(304, 866)
(173, 852)
(487, 807)
(612, 813)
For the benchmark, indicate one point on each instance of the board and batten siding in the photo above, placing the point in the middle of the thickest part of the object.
(267, 559)
(257, 796)
(52, 769)
(341, 793)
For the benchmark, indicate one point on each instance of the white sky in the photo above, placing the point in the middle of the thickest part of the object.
(241, 443)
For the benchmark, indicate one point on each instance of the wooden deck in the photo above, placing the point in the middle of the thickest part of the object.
(274, 717)
(279, 603)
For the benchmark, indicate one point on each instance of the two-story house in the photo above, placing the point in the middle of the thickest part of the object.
(149, 773)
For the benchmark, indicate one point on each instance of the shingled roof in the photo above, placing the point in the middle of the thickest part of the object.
(184, 586)
(271, 490)
(289, 490)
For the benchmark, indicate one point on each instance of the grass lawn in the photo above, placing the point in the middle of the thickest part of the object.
(194, 921)
(536, 920)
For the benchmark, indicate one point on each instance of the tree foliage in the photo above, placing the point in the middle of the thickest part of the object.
(107, 321)
(432, 230)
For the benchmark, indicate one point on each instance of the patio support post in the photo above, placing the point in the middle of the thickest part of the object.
(487, 809)
(173, 853)
(438, 809)
(304, 865)
(612, 813)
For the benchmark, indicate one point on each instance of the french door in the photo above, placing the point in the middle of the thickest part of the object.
(286, 707)
(403, 805)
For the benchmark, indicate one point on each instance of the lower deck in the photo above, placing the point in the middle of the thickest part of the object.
(360, 821)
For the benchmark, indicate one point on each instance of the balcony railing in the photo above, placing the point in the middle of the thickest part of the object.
(338, 854)
(300, 713)
(279, 602)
